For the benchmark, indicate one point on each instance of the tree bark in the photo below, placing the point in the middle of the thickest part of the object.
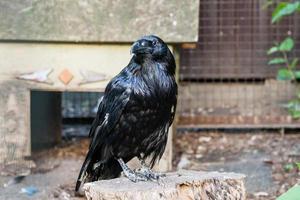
(184, 184)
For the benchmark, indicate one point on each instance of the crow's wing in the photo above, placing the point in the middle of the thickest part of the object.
(98, 119)
(116, 97)
(110, 110)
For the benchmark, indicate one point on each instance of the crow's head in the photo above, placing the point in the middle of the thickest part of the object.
(150, 46)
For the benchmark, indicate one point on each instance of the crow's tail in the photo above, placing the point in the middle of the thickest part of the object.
(97, 169)
(83, 175)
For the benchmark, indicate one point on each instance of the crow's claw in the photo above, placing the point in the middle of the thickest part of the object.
(149, 174)
(130, 174)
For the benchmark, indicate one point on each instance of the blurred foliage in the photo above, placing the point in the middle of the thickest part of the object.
(282, 50)
(288, 70)
(284, 9)
(298, 165)
(289, 167)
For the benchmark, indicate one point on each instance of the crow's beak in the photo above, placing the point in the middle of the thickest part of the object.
(134, 48)
(141, 47)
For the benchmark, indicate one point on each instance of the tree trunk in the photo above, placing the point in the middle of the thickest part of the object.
(184, 184)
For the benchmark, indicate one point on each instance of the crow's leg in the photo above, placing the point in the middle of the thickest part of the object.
(131, 175)
(147, 172)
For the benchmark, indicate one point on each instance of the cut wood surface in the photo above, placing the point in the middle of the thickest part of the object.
(184, 184)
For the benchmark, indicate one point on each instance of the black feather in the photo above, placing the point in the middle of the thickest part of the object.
(135, 113)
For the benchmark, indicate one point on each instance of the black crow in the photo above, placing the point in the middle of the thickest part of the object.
(134, 115)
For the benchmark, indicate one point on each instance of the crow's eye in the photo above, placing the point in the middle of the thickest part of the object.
(154, 42)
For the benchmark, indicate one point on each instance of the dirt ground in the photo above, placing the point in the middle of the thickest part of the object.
(266, 158)
(52, 173)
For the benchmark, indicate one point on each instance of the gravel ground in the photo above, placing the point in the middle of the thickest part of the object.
(53, 173)
(266, 158)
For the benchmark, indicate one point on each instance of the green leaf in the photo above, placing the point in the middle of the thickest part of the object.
(295, 114)
(273, 50)
(294, 108)
(276, 61)
(297, 74)
(294, 104)
(288, 167)
(277, 10)
(287, 44)
(284, 9)
(298, 165)
(285, 74)
(294, 63)
(291, 104)
(279, 7)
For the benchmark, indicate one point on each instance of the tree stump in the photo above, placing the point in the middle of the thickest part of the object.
(184, 184)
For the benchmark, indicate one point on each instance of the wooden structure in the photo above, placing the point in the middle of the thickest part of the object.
(63, 45)
(176, 185)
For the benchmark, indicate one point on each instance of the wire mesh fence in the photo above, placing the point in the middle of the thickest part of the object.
(225, 79)
(80, 104)
(78, 111)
